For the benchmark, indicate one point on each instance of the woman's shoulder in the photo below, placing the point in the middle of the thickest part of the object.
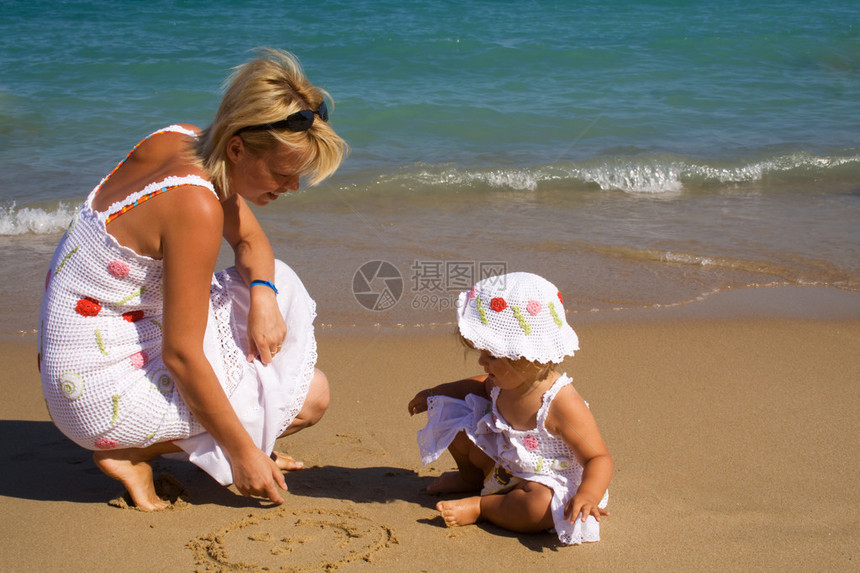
(171, 152)
(190, 214)
(184, 128)
(172, 157)
(168, 144)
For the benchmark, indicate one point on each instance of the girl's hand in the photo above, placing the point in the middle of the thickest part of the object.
(418, 404)
(585, 505)
(257, 475)
(266, 327)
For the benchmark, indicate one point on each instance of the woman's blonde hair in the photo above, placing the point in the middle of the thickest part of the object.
(265, 90)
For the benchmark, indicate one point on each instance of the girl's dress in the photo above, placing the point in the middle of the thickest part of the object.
(531, 455)
(100, 326)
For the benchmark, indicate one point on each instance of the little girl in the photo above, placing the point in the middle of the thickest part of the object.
(520, 434)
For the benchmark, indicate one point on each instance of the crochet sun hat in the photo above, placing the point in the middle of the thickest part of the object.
(517, 315)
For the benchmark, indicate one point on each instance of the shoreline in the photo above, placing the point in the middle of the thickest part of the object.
(813, 302)
(732, 422)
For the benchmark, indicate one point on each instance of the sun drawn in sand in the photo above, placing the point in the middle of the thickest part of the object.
(291, 540)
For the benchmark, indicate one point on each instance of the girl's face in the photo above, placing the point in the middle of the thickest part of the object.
(261, 179)
(502, 372)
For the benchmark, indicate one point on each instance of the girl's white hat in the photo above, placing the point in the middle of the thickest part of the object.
(517, 315)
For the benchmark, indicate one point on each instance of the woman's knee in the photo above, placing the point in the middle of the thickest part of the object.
(317, 400)
(316, 403)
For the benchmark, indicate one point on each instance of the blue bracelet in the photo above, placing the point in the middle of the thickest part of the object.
(265, 283)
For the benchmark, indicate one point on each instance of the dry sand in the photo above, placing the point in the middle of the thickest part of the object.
(733, 424)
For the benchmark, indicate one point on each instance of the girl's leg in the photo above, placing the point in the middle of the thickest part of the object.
(316, 404)
(525, 509)
(472, 467)
(131, 467)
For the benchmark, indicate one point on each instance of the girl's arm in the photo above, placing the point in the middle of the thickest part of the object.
(460, 389)
(190, 233)
(255, 261)
(570, 418)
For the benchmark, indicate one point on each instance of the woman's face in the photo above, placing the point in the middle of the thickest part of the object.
(261, 179)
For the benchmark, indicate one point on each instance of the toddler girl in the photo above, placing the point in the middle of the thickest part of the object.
(521, 436)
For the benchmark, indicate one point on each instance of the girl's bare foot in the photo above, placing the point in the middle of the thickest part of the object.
(131, 467)
(460, 512)
(286, 462)
(451, 482)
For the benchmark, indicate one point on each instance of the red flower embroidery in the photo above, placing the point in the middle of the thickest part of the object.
(561, 300)
(133, 315)
(139, 359)
(106, 444)
(498, 304)
(119, 269)
(88, 307)
(531, 443)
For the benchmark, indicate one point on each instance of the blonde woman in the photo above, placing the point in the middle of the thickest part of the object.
(144, 351)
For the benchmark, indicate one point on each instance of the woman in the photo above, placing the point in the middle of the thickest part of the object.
(143, 351)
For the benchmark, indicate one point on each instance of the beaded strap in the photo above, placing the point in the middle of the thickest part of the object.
(142, 199)
(168, 129)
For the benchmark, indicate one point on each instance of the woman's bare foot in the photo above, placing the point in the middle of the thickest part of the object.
(131, 467)
(451, 482)
(286, 462)
(459, 512)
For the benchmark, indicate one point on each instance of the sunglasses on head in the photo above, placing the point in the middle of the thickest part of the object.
(299, 121)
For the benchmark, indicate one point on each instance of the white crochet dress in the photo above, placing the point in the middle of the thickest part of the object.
(100, 346)
(531, 455)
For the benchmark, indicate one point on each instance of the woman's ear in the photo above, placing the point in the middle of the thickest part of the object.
(235, 148)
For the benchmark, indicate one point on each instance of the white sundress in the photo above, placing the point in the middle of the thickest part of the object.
(532, 455)
(103, 379)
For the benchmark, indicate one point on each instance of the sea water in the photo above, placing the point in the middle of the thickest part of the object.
(639, 154)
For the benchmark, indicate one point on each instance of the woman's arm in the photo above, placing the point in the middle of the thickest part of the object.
(190, 229)
(570, 418)
(255, 261)
(460, 389)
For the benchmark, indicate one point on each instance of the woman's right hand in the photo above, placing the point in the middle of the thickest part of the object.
(256, 474)
(266, 327)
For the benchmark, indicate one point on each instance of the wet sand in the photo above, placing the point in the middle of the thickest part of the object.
(732, 422)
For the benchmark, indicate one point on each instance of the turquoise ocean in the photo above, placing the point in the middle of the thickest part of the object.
(638, 154)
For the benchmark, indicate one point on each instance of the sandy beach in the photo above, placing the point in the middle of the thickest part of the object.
(687, 175)
(732, 423)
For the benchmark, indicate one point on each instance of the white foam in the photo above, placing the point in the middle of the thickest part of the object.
(645, 175)
(636, 178)
(14, 221)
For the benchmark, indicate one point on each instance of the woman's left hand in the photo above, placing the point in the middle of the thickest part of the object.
(266, 327)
